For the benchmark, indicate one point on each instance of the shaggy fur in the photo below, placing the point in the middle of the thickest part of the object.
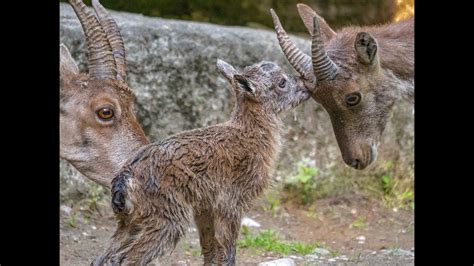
(212, 174)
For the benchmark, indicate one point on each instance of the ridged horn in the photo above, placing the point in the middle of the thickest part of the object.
(300, 61)
(101, 60)
(324, 68)
(114, 37)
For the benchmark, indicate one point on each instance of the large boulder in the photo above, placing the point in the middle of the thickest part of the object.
(172, 69)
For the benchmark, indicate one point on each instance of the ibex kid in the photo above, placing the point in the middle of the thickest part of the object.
(211, 173)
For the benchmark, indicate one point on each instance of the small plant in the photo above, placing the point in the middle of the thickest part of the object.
(72, 221)
(95, 197)
(268, 240)
(312, 212)
(397, 192)
(273, 203)
(303, 184)
(358, 223)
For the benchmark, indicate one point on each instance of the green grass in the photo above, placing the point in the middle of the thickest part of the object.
(358, 223)
(268, 240)
(272, 202)
(303, 183)
(390, 182)
(84, 209)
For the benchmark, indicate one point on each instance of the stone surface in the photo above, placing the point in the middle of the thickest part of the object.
(279, 262)
(249, 222)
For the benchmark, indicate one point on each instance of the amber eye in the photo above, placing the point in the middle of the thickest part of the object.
(282, 83)
(105, 113)
(353, 98)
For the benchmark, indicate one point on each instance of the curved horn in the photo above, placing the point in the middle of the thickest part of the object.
(300, 61)
(114, 37)
(101, 61)
(323, 67)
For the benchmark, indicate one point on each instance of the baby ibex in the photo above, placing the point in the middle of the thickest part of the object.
(98, 127)
(211, 173)
(356, 74)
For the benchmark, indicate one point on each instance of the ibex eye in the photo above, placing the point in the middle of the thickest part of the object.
(282, 83)
(353, 98)
(105, 113)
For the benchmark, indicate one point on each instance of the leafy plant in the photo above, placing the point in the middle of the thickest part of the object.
(268, 240)
(358, 223)
(304, 182)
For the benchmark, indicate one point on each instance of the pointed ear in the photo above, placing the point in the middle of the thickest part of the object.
(226, 70)
(366, 48)
(307, 14)
(67, 66)
(244, 84)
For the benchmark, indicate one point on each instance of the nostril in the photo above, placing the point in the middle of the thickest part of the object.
(355, 163)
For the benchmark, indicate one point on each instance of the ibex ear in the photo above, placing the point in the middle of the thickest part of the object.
(366, 48)
(68, 67)
(307, 14)
(244, 84)
(226, 69)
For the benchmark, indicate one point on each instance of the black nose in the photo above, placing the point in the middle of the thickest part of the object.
(356, 164)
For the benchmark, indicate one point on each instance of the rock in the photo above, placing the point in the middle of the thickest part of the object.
(360, 238)
(321, 251)
(331, 260)
(402, 252)
(65, 209)
(311, 257)
(250, 222)
(172, 70)
(279, 262)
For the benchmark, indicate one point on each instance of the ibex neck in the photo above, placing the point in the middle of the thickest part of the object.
(260, 128)
(255, 119)
(396, 52)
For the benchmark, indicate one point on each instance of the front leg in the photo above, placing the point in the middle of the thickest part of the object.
(227, 228)
(205, 225)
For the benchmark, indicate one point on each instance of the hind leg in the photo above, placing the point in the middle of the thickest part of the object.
(227, 228)
(157, 236)
(123, 237)
(205, 225)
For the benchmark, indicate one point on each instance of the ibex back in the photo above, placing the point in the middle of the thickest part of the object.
(212, 173)
(356, 74)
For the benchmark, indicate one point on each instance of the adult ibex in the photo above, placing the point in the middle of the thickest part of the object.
(98, 127)
(356, 74)
(212, 173)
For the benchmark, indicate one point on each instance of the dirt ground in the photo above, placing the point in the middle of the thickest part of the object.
(384, 237)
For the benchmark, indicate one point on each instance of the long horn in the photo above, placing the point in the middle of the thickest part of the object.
(323, 67)
(101, 61)
(114, 37)
(300, 61)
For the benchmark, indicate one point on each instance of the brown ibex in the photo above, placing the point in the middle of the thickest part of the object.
(212, 173)
(356, 74)
(98, 127)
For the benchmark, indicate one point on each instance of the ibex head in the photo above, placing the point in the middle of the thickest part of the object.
(347, 81)
(98, 128)
(265, 84)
